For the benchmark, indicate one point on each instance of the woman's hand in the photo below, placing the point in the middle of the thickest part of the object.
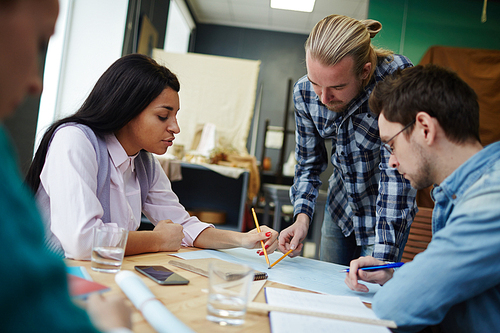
(169, 235)
(166, 236)
(251, 239)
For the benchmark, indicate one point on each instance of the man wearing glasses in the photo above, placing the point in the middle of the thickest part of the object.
(455, 282)
(370, 206)
(387, 146)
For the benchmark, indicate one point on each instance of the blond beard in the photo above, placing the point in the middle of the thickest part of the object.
(340, 107)
(337, 107)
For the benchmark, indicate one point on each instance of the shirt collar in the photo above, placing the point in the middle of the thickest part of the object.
(118, 155)
(469, 172)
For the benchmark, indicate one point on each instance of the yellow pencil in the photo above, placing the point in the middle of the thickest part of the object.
(282, 257)
(258, 229)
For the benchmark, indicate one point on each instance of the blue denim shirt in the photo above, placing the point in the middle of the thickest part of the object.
(365, 195)
(456, 281)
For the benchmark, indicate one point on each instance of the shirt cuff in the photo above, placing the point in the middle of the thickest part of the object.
(385, 252)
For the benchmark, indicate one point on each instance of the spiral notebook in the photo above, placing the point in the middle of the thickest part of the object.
(200, 266)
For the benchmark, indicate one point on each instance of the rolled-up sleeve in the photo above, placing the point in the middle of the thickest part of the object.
(396, 208)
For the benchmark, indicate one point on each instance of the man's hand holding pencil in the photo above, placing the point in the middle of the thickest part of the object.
(379, 276)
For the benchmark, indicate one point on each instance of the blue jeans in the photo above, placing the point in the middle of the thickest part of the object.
(337, 248)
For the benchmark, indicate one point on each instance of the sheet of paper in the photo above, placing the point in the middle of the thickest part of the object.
(342, 305)
(310, 274)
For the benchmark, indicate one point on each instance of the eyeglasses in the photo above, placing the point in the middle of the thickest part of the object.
(386, 145)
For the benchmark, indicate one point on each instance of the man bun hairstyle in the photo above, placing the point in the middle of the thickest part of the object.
(338, 36)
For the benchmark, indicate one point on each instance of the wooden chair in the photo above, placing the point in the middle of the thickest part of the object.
(420, 234)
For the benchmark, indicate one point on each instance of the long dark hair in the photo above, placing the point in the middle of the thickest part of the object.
(125, 89)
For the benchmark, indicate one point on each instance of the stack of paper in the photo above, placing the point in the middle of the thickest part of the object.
(340, 305)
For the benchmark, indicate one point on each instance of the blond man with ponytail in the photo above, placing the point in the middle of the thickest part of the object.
(370, 206)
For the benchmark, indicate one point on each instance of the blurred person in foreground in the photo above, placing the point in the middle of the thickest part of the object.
(34, 292)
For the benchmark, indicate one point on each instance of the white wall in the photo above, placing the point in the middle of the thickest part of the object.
(89, 38)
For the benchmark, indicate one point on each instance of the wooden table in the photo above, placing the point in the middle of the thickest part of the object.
(186, 302)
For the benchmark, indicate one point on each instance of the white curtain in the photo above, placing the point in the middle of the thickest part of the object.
(217, 90)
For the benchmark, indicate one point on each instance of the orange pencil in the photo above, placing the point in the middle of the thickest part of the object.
(258, 229)
(282, 257)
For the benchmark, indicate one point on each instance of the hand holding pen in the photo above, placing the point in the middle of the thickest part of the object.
(368, 269)
(377, 267)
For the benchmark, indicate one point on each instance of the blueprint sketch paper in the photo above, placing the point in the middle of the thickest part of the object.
(341, 305)
(310, 274)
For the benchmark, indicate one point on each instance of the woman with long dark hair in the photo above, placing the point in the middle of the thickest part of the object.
(96, 167)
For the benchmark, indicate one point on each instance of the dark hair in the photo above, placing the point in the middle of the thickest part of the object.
(125, 89)
(433, 89)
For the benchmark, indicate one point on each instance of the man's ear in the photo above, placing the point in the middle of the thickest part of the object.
(427, 127)
(367, 68)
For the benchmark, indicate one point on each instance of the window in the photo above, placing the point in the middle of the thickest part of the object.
(179, 27)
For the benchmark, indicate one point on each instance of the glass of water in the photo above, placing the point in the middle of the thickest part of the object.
(228, 292)
(108, 248)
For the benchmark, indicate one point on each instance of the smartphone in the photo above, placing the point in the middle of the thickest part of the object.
(161, 275)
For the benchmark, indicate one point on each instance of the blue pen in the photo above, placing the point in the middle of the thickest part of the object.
(373, 268)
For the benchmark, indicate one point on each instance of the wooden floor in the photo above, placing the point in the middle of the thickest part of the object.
(420, 234)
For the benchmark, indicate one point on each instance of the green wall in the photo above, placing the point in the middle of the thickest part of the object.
(410, 27)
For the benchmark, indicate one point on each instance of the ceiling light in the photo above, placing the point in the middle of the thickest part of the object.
(298, 5)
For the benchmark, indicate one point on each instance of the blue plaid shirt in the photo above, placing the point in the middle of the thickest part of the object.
(365, 195)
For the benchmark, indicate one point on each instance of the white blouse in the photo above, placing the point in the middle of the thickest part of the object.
(69, 185)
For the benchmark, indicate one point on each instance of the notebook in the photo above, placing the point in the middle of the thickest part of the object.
(81, 288)
(200, 266)
(79, 271)
(357, 317)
